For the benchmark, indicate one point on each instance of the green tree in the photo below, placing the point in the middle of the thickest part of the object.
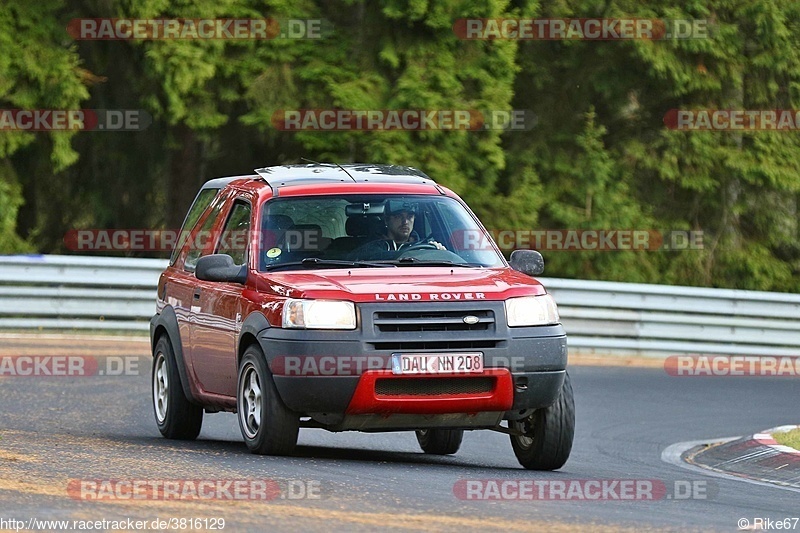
(739, 188)
(37, 71)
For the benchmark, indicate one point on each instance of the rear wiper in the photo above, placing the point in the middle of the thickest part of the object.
(413, 261)
(315, 262)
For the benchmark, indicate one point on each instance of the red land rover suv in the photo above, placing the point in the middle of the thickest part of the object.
(357, 297)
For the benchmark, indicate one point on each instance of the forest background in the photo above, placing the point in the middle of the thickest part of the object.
(598, 157)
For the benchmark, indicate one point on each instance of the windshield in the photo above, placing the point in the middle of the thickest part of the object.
(371, 230)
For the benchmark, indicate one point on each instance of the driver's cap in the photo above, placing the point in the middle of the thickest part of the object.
(393, 207)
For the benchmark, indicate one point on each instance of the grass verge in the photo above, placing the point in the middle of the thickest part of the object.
(789, 438)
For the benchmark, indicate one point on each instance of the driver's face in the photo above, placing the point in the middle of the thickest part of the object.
(400, 225)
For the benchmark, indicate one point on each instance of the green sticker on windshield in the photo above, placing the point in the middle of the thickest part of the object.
(273, 252)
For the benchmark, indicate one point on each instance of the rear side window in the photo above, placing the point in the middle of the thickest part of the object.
(200, 204)
(200, 240)
(236, 234)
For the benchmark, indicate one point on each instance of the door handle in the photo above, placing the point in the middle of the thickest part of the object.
(197, 294)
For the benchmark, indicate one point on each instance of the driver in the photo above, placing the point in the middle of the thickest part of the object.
(398, 216)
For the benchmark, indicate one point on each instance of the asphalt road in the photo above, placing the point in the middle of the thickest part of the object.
(53, 430)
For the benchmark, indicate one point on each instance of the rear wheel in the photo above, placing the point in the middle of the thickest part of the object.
(268, 426)
(548, 433)
(440, 441)
(176, 416)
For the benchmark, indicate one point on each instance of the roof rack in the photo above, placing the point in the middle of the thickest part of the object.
(310, 174)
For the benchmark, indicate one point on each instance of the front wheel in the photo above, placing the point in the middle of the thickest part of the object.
(547, 434)
(176, 416)
(268, 426)
(440, 441)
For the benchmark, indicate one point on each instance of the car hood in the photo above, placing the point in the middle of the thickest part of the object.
(401, 284)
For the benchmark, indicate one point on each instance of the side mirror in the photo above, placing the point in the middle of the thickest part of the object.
(528, 262)
(220, 267)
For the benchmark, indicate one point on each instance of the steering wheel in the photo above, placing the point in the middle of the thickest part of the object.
(423, 244)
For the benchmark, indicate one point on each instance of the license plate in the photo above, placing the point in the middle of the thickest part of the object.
(437, 363)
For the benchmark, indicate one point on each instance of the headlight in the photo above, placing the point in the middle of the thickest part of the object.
(319, 314)
(532, 311)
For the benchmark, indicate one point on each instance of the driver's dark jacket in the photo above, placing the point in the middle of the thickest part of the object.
(384, 248)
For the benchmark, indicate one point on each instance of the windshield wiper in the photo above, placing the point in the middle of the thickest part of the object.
(413, 261)
(315, 262)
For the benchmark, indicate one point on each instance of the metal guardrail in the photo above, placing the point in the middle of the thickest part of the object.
(609, 317)
(77, 292)
(85, 293)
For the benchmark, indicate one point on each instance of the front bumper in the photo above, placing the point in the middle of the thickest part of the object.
(527, 365)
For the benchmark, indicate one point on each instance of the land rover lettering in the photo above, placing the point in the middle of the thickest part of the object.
(430, 297)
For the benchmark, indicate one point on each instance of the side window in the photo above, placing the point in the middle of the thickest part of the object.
(201, 202)
(200, 240)
(236, 234)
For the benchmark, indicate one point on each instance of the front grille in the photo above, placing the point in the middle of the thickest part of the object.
(434, 345)
(433, 386)
(405, 321)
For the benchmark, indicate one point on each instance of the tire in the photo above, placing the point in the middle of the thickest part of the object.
(548, 433)
(267, 425)
(176, 417)
(440, 441)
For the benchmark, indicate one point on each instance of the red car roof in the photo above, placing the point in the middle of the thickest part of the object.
(358, 188)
